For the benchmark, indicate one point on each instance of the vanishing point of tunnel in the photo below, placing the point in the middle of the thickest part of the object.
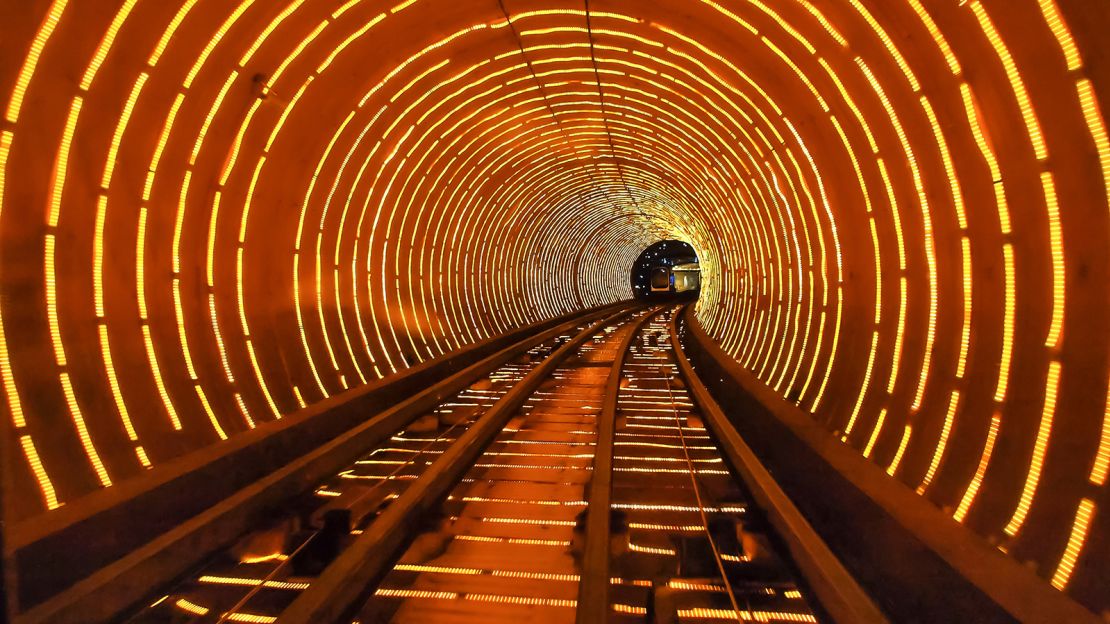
(555, 310)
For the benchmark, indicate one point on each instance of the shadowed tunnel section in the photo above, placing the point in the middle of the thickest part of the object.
(217, 212)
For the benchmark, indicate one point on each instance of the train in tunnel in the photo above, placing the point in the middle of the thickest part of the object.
(666, 269)
(240, 238)
(679, 278)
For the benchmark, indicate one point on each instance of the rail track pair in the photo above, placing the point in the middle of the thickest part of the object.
(586, 475)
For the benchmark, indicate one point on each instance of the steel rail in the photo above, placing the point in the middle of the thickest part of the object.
(693, 473)
(593, 582)
(835, 590)
(923, 546)
(125, 583)
(418, 454)
(354, 575)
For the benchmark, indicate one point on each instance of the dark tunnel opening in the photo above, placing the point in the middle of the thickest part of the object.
(667, 271)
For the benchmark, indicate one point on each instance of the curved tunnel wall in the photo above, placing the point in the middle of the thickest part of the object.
(216, 212)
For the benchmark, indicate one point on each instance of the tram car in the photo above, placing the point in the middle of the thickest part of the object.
(686, 277)
(661, 279)
(679, 278)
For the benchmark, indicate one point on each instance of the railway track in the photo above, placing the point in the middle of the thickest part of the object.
(588, 478)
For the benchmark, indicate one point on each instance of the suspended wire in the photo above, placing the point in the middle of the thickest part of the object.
(547, 100)
(601, 101)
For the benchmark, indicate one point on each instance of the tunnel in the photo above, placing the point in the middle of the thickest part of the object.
(227, 221)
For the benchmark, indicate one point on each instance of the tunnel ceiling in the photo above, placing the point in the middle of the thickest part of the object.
(216, 212)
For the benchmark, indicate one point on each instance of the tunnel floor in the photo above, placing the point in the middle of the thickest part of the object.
(507, 542)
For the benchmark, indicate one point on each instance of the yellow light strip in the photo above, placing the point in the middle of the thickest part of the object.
(45, 485)
(190, 607)
(1059, 276)
(1082, 524)
(942, 443)
(875, 433)
(171, 29)
(941, 42)
(83, 432)
(1101, 465)
(980, 471)
(968, 298)
(215, 40)
(106, 43)
(1060, 31)
(1009, 313)
(411, 594)
(890, 47)
(1097, 126)
(1029, 115)
(893, 467)
(31, 61)
(1040, 447)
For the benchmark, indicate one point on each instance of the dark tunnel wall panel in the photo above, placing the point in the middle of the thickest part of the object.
(216, 212)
